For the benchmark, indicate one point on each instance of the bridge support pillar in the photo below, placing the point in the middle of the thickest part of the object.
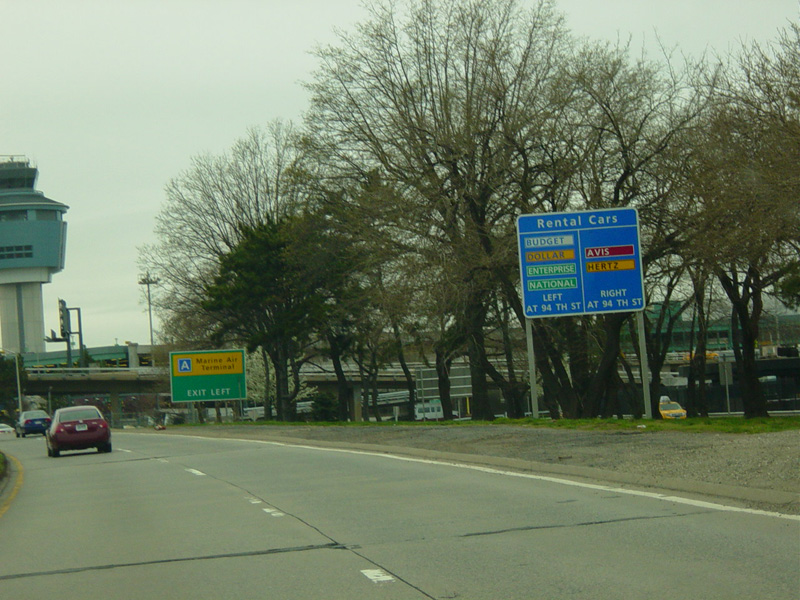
(116, 409)
(356, 408)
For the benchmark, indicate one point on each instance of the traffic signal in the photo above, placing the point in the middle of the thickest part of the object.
(63, 319)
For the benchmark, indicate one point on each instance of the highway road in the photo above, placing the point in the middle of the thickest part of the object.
(182, 517)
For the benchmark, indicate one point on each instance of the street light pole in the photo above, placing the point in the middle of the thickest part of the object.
(19, 387)
(148, 281)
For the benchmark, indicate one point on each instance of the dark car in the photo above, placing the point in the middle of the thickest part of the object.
(78, 428)
(32, 421)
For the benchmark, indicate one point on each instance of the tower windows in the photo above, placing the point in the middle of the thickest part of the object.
(7, 252)
(14, 215)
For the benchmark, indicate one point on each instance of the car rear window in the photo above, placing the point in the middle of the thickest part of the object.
(79, 415)
(35, 414)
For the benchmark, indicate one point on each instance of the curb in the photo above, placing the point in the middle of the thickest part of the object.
(10, 482)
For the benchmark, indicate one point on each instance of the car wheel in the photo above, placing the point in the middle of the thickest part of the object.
(56, 453)
(17, 432)
(50, 450)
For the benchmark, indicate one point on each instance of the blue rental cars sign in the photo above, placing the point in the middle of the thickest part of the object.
(579, 263)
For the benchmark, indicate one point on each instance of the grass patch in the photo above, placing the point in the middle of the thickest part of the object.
(695, 425)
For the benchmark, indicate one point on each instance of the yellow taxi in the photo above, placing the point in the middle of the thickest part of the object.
(669, 409)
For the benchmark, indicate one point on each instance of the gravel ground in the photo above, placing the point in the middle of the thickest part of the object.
(753, 470)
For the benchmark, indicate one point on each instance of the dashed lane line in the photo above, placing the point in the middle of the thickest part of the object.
(377, 575)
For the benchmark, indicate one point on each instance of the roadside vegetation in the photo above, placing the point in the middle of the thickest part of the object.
(690, 425)
(384, 226)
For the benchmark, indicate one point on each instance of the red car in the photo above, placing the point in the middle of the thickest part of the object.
(78, 428)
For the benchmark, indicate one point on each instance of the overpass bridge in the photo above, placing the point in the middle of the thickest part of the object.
(117, 383)
(120, 372)
(129, 369)
(155, 380)
(118, 380)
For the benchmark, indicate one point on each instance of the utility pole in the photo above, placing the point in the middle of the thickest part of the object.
(149, 280)
(19, 385)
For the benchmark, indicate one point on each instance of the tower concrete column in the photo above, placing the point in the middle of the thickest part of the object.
(22, 317)
(33, 240)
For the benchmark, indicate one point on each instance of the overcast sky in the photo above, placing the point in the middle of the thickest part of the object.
(111, 100)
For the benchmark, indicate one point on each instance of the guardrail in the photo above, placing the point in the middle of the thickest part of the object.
(94, 370)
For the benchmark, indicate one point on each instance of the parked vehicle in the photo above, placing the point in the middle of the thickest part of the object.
(32, 421)
(670, 409)
(78, 428)
(6, 428)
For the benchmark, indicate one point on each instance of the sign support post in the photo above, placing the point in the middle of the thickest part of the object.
(644, 366)
(532, 369)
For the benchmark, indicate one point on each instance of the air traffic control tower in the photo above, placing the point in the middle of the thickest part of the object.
(33, 239)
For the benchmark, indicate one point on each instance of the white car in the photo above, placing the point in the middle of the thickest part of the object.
(6, 428)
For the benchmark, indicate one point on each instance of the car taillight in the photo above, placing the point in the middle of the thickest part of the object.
(60, 429)
(26, 421)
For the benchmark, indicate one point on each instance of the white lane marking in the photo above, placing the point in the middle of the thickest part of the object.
(591, 486)
(196, 472)
(376, 575)
(254, 500)
(162, 460)
(273, 513)
(123, 450)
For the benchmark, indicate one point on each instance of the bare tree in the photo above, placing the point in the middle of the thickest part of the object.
(453, 105)
(748, 215)
(206, 210)
(630, 117)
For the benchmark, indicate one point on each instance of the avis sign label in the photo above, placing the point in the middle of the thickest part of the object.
(580, 262)
(210, 375)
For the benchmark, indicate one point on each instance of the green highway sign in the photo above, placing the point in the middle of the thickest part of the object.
(207, 375)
